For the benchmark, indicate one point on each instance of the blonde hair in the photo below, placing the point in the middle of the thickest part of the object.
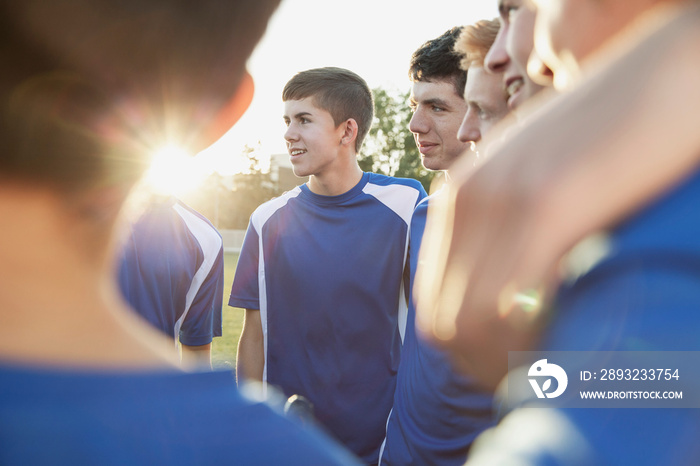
(475, 41)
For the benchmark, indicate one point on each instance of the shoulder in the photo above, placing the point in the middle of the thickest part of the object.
(230, 424)
(199, 228)
(267, 209)
(185, 210)
(399, 194)
(423, 204)
(420, 213)
(198, 224)
(384, 180)
(406, 190)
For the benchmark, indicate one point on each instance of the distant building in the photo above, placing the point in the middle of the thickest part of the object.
(281, 173)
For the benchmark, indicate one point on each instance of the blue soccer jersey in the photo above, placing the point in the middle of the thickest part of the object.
(73, 417)
(172, 272)
(644, 296)
(437, 412)
(326, 273)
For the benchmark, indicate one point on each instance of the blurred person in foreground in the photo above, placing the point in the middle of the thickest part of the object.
(87, 88)
(437, 412)
(618, 151)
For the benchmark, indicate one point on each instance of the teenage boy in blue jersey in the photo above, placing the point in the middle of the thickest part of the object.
(437, 412)
(321, 268)
(172, 274)
(642, 293)
(82, 90)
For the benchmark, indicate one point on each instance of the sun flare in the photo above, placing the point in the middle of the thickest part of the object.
(174, 171)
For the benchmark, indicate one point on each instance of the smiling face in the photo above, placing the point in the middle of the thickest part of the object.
(486, 104)
(313, 139)
(511, 50)
(437, 113)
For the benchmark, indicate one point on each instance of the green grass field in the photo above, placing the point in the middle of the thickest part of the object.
(223, 353)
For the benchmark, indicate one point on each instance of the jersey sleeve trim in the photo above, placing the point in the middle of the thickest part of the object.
(212, 245)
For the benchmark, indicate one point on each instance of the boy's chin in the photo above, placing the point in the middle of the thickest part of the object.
(300, 172)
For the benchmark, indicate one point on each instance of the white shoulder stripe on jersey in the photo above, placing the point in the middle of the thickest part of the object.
(398, 197)
(261, 215)
(211, 243)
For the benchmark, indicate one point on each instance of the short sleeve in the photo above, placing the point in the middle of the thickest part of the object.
(245, 292)
(203, 321)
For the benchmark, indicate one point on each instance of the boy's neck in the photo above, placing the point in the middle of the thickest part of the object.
(59, 308)
(335, 183)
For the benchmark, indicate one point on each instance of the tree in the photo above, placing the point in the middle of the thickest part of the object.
(251, 188)
(389, 147)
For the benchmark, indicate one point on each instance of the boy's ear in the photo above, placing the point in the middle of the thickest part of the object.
(232, 111)
(350, 132)
(538, 71)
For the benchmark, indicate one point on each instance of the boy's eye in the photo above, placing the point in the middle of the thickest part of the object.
(304, 121)
(438, 109)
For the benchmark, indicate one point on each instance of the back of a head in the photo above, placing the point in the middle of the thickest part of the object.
(61, 132)
(338, 91)
(475, 41)
(166, 66)
(437, 60)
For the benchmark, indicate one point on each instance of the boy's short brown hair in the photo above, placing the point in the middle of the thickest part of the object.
(338, 91)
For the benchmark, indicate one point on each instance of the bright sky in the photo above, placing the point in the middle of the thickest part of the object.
(374, 38)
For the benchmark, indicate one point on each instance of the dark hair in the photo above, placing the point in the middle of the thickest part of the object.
(171, 64)
(436, 59)
(475, 41)
(61, 132)
(338, 91)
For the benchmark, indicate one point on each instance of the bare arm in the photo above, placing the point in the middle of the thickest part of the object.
(583, 161)
(199, 356)
(251, 351)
